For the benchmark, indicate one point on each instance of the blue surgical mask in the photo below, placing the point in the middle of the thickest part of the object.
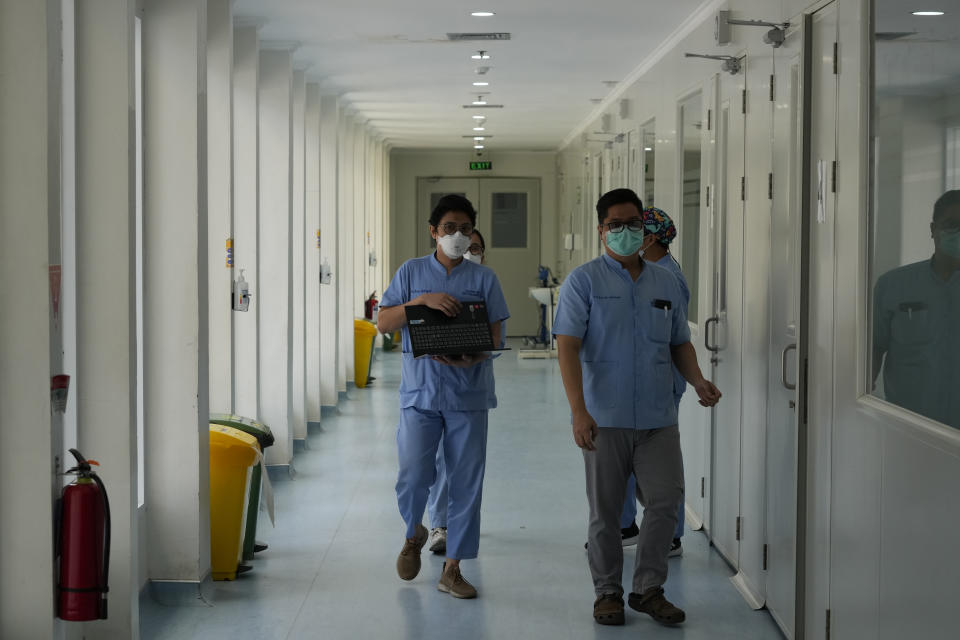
(950, 243)
(626, 243)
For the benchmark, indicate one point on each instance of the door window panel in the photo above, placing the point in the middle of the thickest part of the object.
(649, 162)
(688, 225)
(508, 220)
(915, 213)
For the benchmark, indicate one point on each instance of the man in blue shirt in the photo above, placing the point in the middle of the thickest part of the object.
(621, 326)
(443, 397)
(916, 315)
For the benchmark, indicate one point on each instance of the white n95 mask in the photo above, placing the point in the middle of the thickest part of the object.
(473, 258)
(454, 245)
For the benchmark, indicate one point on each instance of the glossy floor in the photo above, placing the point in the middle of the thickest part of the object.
(329, 572)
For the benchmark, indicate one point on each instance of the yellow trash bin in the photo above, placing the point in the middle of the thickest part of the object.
(364, 336)
(232, 453)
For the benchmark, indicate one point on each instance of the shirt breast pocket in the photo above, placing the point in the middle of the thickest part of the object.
(660, 321)
(911, 325)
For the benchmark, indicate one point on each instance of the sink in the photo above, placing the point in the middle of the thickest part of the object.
(542, 295)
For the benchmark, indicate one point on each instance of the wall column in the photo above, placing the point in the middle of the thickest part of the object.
(276, 113)
(298, 254)
(219, 200)
(106, 288)
(176, 389)
(330, 356)
(30, 343)
(246, 198)
(316, 371)
(346, 229)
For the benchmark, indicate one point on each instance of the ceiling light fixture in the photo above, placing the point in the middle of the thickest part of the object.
(481, 55)
(648, 148)
(480, 101)
(479, 138)
(482, 14)
(479, 129)
(478, 146)
(479, 117)
(481, 84)
(927, 13)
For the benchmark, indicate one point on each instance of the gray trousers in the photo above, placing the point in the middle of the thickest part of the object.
(654, 457)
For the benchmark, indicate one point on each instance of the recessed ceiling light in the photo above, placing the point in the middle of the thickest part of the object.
(479, 117)
(479, 102)
(479, 129)
(648, 148)
(927, 13)
(478, 146)
(481, 84)
(481, 55)
(482, 14)
(478, 138)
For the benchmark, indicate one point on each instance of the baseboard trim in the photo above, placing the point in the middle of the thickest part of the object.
(181, 593)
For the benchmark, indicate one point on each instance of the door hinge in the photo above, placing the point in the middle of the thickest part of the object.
(833, 177)
(770, 185)
(773, 81)
(743, 187)
(738, 527)
(828, 624)
(836, 58)
(703, 487)
(707, 198)
(709, 119)
(764, 557)
(743, 101)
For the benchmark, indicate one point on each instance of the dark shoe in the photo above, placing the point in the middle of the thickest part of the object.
(243, 568)
(654, 604)
(608, 609)
(259, 546)
(630, 535)
(408, 562)
(452, 582)
(676, 549)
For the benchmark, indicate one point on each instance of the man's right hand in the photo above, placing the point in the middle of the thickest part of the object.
(441, 302)
(584, 430)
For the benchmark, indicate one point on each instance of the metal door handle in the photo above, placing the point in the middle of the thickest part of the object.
(783, 366)
(706, 334)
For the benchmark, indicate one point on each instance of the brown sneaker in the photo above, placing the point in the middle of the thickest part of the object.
(453, 582)
(408, 562)
(608, 609)
(653, 603)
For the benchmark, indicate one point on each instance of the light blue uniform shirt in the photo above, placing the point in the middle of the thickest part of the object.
(916, 319)
(627, 329)
(670, 263)
(426, 384)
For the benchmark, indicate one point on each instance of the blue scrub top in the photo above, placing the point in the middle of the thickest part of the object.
(627, 332)
(670, 263)
(426, 384)
(916, 316)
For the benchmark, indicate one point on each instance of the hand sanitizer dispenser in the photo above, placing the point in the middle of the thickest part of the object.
(241, 293)
(326, 275)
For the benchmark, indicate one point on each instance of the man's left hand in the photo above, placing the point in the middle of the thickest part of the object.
(462, 361)
(708, 393)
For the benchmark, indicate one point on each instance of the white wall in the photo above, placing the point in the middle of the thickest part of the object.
(299, 244)
(330, 354)
(317, 369)
(406, 166)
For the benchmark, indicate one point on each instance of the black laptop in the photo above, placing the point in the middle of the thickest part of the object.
(434, 333)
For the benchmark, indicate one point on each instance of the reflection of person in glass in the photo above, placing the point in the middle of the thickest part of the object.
(916, 334)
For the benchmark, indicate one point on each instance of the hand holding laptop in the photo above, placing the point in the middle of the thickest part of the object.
(441, 302)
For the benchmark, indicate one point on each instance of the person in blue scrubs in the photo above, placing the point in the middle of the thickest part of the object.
(660, 232)
(621, 327)
(444, 397)
(439, 496)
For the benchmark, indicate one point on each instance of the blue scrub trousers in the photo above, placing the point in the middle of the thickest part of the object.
(464, 435)
(629, 514)
(439, 496)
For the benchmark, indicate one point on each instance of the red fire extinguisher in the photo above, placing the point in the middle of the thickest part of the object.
(370, 307)
(84, 545)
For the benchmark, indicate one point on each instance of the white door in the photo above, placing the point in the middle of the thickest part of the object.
(509, 219)
(723, 331)
(788, 275)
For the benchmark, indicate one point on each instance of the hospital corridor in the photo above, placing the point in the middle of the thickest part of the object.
(473, 320)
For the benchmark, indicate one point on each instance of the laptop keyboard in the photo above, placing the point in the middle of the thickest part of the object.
(454, 336)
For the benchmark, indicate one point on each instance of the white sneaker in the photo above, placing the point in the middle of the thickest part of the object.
(676, 549)
(438, 539)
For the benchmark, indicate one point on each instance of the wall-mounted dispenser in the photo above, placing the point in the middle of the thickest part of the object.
(326, 275)
(241, 293)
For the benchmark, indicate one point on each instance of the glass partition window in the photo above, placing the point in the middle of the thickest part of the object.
(649, 149)
(688, 222)
(508, 221)
(915, 213)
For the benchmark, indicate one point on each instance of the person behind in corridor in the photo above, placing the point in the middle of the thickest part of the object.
(621, 326)
(916, 315)
(443, 397)
(439, 496)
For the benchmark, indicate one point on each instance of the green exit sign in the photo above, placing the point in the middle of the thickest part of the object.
(486, 165)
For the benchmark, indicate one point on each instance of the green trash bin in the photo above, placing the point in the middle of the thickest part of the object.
(265, 439)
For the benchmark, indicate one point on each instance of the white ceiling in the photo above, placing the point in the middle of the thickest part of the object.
(391, 61)
(925, 59)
